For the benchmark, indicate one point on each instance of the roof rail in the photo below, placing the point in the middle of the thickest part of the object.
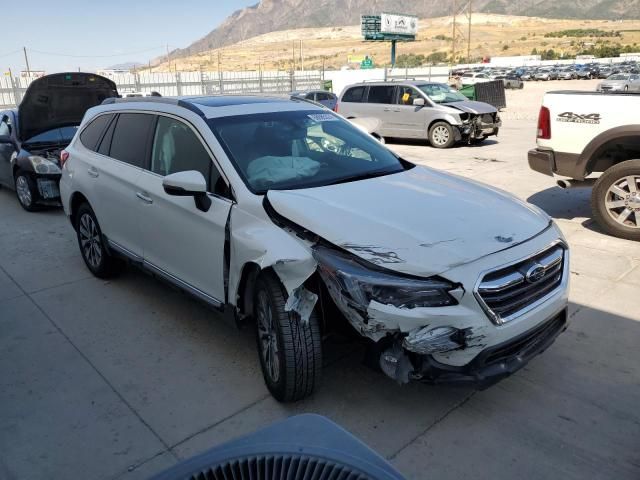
(166, 100)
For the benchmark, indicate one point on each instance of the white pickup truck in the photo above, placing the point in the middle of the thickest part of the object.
(585, 133)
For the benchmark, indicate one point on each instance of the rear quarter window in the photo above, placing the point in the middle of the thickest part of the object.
(354, 94)
(92, 133)
(131, 138)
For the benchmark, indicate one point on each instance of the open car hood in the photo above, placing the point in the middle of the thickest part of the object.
(471, 106)
(60, 100)
(419, 222)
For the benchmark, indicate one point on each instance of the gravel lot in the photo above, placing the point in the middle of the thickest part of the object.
(120, 379)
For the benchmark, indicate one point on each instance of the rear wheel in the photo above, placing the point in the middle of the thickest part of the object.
(290, 349)
(441, 135)
(615, 200)
(26, 191)
(92, 245)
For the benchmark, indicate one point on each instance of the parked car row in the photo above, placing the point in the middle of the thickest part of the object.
(544, 73)
(283, 214)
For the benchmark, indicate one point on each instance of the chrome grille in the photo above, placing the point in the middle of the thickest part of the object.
(510, 291)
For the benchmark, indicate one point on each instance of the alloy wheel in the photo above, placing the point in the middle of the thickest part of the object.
(440, 135)
(268, 337)
(90, 240)
(23, 191)
(623, 201)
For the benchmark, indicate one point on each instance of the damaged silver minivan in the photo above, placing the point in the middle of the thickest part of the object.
(281, 212)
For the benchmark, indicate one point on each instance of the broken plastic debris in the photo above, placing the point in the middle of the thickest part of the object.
(302, 302)
(437, 340)
(395, 363)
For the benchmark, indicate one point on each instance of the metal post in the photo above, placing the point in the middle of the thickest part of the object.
(220, 81)
(469, 33)
(260, 77)
(393, 53)
(26, 60)
(136, 81)
(178, 84)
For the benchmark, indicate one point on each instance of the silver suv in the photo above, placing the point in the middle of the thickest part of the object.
(418, 109)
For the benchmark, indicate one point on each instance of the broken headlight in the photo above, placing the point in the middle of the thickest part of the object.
(361, 285)
(42, 165)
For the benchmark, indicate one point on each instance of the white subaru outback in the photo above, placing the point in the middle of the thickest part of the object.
(282, 212)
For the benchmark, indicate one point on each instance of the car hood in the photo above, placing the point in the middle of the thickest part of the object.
(60, 100)
(471, 106)
(419, 222)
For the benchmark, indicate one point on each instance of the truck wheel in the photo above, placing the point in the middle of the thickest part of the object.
(290, 349)
(26, 191)
(441, 135)
(615, 200)
(92, 246)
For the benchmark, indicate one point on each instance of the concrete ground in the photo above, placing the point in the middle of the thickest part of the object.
(120, 379)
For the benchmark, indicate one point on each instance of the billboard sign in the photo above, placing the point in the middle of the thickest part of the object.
(399, 24)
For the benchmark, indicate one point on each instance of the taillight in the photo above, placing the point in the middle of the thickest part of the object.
(64, 156)
(335, 108)
(544, 124)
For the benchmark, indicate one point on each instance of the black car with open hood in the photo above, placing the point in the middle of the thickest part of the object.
(33, 136)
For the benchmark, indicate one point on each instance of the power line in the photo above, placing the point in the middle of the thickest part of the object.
(10, 53)
(56, 54)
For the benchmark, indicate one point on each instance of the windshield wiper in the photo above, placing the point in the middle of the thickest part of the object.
(364, 176)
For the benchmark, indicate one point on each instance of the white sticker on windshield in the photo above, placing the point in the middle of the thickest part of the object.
(323, 117)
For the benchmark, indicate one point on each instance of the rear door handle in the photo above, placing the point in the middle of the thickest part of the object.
(93, 172)
(144, 197)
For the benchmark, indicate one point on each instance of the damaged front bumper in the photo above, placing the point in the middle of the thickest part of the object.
(480, 126)
(488, 367)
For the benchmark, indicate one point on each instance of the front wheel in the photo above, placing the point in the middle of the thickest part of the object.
(92, 246)
(441, 135)
(615, 200)
(290, 349)
(26, 191)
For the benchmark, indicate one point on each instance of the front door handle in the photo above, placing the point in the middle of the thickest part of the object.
(93, 172)
(144, 197)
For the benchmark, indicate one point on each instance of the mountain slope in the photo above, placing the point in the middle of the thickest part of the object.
(273, 15)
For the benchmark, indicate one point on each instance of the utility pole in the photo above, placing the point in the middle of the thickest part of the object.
(168, 59)
(26, 60)
(453, 33)
(469, 14)
(293, 56)
(301, 57)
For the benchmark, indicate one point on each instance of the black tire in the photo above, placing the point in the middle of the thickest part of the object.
(380, 138)
(92, 246)
(521, 86)
(298, 344)
(601, 195)
(27, 198)
(436, 140)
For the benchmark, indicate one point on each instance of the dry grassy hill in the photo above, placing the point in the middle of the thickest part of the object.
(492, 35)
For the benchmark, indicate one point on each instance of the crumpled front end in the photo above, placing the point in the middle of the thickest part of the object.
(439, 331)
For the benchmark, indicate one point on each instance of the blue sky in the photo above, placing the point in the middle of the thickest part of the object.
(93, 34)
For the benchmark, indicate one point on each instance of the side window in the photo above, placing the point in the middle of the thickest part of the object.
(310, 96)
(105, 143)
(130, 137)
(5, 128)
(354, 94)
(176, 148)
(91, 134)
(407, 95)
(322, 96)
(381, 94)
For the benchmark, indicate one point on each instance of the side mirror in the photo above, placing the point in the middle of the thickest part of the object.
(6, 139)
(418, 102)
(188, 184)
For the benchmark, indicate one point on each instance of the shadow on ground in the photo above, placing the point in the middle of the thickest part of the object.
(563, 203)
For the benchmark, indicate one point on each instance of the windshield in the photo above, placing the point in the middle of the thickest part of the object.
(618, 77)
(57, 135)
(441, 93)
(300, 149)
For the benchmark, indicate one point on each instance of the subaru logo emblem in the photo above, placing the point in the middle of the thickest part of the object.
(535, 273)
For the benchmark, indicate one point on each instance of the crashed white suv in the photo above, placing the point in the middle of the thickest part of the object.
(282, 212)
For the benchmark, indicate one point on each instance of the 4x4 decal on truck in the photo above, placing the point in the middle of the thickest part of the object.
(590, 118)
